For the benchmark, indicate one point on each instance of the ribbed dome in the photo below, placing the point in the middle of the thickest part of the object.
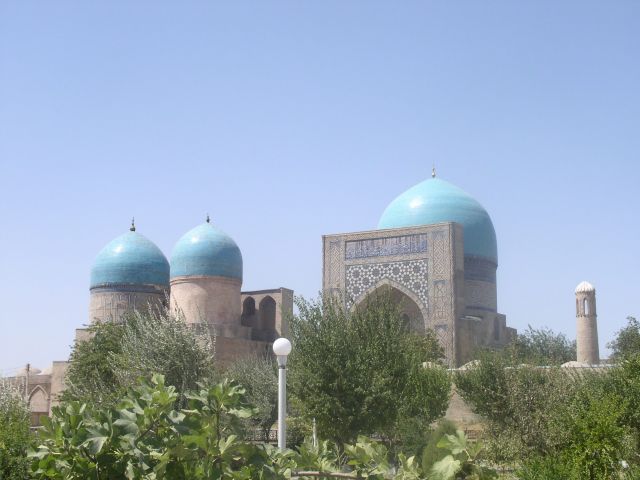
(130, 259)
(435, 201)
(585, 287)
(206, 251)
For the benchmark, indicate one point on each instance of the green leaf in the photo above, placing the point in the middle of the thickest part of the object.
(95, 444)
(445, 469)
(454, 443)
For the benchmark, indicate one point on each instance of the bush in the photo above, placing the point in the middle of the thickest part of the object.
(117, 354)
(431, 452)
(362, 371)
(14, 434)
(259, 377)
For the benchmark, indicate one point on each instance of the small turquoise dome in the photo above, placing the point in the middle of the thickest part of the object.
(206, 251)
(435, 201)
(130, 259)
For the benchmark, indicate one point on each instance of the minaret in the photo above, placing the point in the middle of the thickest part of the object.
(587, 326)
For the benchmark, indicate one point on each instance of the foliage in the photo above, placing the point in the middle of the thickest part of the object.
(598, 441)
(14, 434)
(536, 346)
(627, 341)
(625, 382)
(90, 374)
(161, 341)
(361, 371)
(545, 468)
(116, 354)
(518, 404)
(543, 347)
(259, 377)
(145, 437)
(461, 461)
(431, 452)
(585, 419)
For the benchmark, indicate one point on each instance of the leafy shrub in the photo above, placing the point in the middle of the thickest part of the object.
(431, 452)
(14, 434)
(361, 371)
(117, 354)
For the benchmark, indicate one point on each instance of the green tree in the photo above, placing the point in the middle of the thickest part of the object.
(162, 342)
(520, 404)
(361, 371)
(116, 354)
(627, 341)
(91, 375)
(597, 441)
(538, 346)
(259, 377)
(625, 382)
(14, 434)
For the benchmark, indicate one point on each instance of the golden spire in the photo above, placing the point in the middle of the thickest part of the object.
(133, 224)
(433, 172)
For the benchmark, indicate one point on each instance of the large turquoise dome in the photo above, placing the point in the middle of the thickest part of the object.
(206, 251)
(130, 259)
(435, 201)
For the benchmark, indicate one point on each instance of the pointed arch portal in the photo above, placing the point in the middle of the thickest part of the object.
(410, 310)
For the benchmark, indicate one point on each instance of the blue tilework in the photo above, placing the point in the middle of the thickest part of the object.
(435, 201)
(206, 251)
(130, 259)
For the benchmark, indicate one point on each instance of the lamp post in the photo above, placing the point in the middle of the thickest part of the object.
(282, 348)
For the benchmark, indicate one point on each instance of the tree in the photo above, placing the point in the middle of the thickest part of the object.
(627, 341)
(116, 354)
(259, 377)
(520, 404)
(541, 346)
(162, 342)
(91, 375)
(14, 434)
(361, 371)
(147, 437)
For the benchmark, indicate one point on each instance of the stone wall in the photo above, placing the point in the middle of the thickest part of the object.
(267, 312)
(108, 304)
(213, 300)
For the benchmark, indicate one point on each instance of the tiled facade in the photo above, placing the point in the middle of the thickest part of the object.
(426, 267)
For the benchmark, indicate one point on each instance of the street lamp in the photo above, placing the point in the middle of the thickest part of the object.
(282, 348)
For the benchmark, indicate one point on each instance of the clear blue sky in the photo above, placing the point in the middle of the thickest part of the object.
(288, 120)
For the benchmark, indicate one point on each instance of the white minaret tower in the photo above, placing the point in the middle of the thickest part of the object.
(587, 326)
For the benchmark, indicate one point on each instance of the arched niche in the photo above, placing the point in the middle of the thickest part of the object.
(38, 400)
(248, 317)
(268, 314)
(410, 309)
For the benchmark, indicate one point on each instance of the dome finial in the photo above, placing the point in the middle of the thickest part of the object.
(133, 224)
(208, 219)
(433, 171)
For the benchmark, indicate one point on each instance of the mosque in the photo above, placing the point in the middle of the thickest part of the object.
(434, 251)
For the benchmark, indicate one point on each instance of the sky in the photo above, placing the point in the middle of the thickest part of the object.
(287, 120)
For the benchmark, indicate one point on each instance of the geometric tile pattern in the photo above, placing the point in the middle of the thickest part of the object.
(411, 274)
